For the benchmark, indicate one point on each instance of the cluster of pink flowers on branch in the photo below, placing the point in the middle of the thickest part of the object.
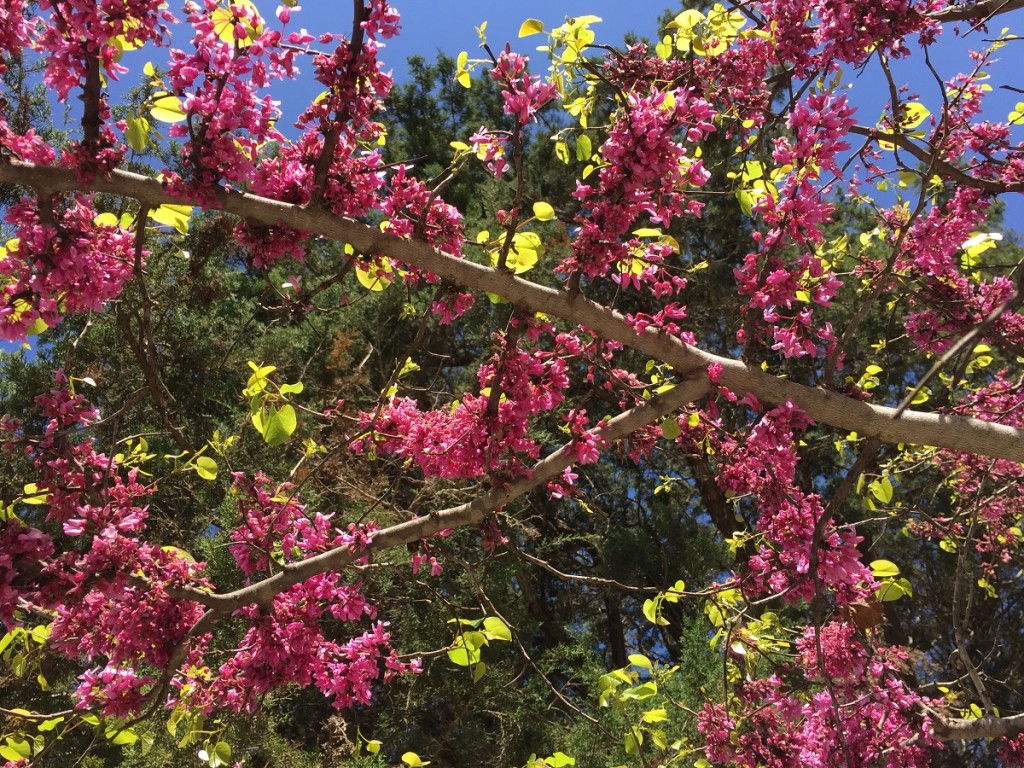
(122, 604)
(60, 262)
(77, 36)
(858, 709)
(523, 93)
(646, 177)
(481, 433)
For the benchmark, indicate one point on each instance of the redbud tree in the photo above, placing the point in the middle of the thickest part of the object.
(851, 218)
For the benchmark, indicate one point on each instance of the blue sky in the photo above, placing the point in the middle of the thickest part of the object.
(429, 26)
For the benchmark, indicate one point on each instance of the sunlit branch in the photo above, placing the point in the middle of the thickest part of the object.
(912, 427)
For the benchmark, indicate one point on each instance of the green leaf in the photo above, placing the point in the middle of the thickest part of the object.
(881, 490)
(49, 725)
(174, 216)
(479, 670)
(639, 660)
(651, 612)
(584, 148)
(220, 755)
(560, 759)
(894, 589)
(168, 109)
(655, 715)
(138, 133)
(496, 629)
(278, 425)
(462, 653)
(543, 211)
(206, 468)
(530, 27)
(174, 719)
(643, 691)
(16, 749)
(121, 737)
(289, 389)
(632, 741)
(884, 569)
(670, 429)
(714, 614)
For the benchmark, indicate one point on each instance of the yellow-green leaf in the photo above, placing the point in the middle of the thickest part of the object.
(530, 27)
(496, 629)
(584, 147)
(524, 253)
(914, 114)
(881, 490)
(543, 211)
(884, 569)
(278, 424)
(377, 276)
(227, 25)
(168, 109)
(106, 219)
(655, 715)
(893, 589)
(121, 736)
(559, 760)
(461, 73)
(206, 468)
(50, 724)
(138, 133)
(639, 660)
(184, 555)
(33, 495)
(670, 429)
(174, 216)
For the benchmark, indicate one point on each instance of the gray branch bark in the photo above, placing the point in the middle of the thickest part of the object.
(987, 727)
(912, 427)
(980, 11)
(471, 513)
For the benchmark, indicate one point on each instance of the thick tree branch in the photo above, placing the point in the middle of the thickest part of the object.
(980, 11)
(942, 430)
(471, 513)
(988, 727)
